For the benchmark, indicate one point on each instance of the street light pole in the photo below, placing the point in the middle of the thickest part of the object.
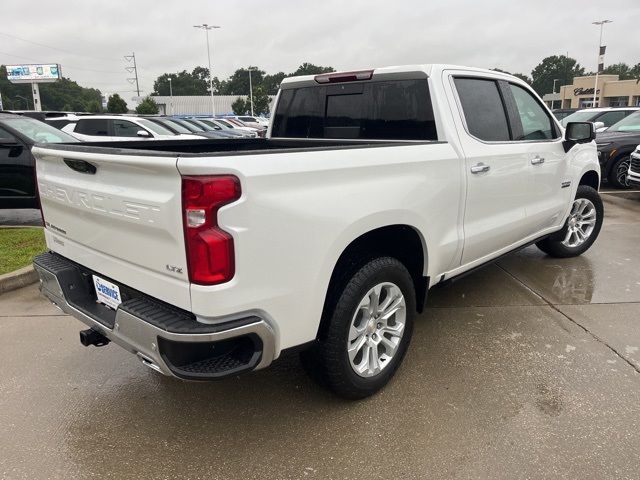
(595, 88)
(206, 28)
(554, 92)
(170, 96)
(250, 91)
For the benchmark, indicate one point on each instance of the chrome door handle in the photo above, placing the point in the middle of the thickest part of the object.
(480, 168)
(537, 160)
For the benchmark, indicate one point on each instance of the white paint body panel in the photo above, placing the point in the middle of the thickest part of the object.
(300, 210)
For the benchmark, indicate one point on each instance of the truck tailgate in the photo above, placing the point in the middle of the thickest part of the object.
(117, 214)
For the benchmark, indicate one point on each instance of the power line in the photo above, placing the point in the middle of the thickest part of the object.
(56, 48)
(65, 65)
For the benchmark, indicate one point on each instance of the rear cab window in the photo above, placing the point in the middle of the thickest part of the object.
(369, 110)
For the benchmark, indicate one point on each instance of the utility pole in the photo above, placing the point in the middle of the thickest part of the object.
(600, 63)
(206, 28)
(250, 91)
(554, 92)
(133, 70)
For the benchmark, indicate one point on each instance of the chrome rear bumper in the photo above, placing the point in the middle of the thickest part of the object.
(165, 339)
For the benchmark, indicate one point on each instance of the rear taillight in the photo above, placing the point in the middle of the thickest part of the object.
(210, 255)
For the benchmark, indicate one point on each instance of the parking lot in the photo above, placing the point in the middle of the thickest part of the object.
(528, 368)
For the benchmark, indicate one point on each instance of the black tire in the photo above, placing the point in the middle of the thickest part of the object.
(327, 361)
(618, 175)
(553, 245)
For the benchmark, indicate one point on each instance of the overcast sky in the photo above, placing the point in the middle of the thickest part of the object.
(89, 37)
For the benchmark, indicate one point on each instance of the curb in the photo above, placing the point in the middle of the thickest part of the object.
(18, 279)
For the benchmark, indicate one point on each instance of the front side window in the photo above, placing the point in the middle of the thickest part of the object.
(536, 124)
(382, 110)
(123, 128)
(483, 109)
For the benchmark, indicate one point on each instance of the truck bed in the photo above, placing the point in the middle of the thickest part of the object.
(213, 147)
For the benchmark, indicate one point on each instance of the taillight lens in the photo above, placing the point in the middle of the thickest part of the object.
(210, 255)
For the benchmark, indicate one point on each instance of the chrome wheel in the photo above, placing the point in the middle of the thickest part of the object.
(376, 329)
(621, 173)
(581, 223)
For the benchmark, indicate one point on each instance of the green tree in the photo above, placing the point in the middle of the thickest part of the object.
(238, 83)
(261, 103)
(241, 106)
(624, 71)
(184, 83)
(54, 96)
(148, 106)
(116, 104)
(271, 83)
(521, 76)
(558, 67)
(94, 107)
(311, 69)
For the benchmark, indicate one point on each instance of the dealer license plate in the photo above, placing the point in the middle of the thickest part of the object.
(107, 292)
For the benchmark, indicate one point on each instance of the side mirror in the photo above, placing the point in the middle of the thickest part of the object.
(578, 132)
(143, 133)
(598, 126)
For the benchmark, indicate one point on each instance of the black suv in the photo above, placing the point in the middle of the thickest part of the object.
(17, 179)
(614, 148)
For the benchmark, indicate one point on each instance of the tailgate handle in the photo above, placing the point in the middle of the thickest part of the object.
(81, 166)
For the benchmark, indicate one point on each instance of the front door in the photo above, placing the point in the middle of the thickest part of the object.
(496, 170)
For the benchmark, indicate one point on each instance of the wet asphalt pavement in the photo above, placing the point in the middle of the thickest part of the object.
(528, 368)
(22, 217)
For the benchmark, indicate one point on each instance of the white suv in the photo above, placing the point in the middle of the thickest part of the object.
(119, 128)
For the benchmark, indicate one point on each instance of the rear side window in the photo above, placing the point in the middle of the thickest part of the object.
(93, 126)
(483, 109)
(398, 110)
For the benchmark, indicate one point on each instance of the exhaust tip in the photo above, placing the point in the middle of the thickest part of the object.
(93, 337)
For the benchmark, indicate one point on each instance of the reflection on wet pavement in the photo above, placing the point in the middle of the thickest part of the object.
(497, 383)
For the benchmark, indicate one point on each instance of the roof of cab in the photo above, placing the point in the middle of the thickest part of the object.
(397, 73)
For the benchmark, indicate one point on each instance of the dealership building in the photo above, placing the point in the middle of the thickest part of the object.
(197, 104)
(611, 92)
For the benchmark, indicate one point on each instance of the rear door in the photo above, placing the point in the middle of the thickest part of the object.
(496, 168)
(117, 214)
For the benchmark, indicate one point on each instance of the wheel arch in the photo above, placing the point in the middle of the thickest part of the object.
(620, 153)
(401, 241)
(590, 178)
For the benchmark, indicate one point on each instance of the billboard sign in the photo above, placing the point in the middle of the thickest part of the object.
(33, 73)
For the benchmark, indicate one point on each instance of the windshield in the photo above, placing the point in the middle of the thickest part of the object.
(154, 127)
(178, 127)
(207, 124)
(628, 124)
(225, 123)
(196, 124)
(189, 126)
(581, 116)
(37, 131)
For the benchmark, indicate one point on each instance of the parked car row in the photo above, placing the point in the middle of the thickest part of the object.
(618, 135)
(17, 135)
(152, 127)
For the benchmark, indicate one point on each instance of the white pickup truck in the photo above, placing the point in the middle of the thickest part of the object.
(209, 257)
